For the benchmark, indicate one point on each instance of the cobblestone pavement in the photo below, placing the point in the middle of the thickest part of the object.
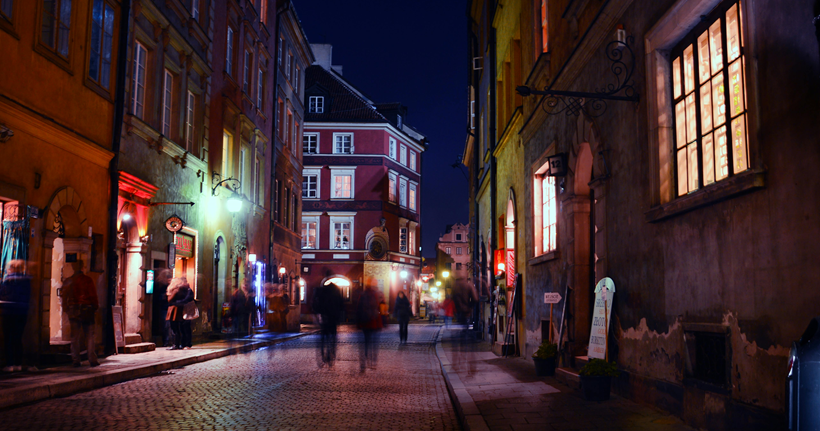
(279, 387)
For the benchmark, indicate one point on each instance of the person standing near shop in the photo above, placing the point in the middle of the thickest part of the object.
(403, 312)
(179, 293)
(15, 294)
(239, 312)
(80, 303)
(161, 305)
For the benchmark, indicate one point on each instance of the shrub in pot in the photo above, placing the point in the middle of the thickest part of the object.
(544, 359)
(596, 379)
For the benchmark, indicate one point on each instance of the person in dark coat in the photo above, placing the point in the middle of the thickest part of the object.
(160, 301)
(80, 303)
(180, 293)
(239, 312)
(370, 322)
(403, 312)
(15, 292)
(328, 304)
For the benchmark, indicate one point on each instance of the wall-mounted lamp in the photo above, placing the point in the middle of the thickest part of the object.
(445, 274)
(403, 274)
(126, 217)
(234, 203)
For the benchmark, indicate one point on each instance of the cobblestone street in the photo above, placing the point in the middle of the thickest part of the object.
(279, 387)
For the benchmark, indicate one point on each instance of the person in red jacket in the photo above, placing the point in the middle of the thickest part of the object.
(449, 310)
(370, 322)
(79, 294)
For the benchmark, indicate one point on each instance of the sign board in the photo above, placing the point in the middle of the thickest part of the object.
(116, 313)
(604, 292)
(552, 297)
(510, 267)
(149, 281)
(184, 245)
(557, 165)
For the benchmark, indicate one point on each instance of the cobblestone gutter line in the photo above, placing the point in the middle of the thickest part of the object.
(468, 413)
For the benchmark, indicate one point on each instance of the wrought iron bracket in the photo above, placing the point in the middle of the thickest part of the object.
(594, 104)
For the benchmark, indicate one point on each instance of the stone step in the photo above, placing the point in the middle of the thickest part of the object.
(580, 361)
(133, 339)
(139, 347)
(568, 376)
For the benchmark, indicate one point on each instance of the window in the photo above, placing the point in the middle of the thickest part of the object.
(276, 193)
(243, 171)
(310, 183)
(392, 150)
(260, 88)
(246, 76)
(279, 52)
(189, 121)
(458, 237)
(296, 73)
(458, 266)
(6, 8)
(195, 9)
(546, 217)
(310, 143)
(310, 231)
(229, 55)
(56, 25)
(139, 80)
(402, 240)
(288, 127)
(544, 33)
(342, 183)
(413, 160)
(391, 186)
(403, 192)
(288, 61)
(709, 92)
(280, 113)
(294, 202)
(342, 143)
(316, 104)
(448, 250)
(102, 37)
(227, 152)
(341, 234)
(458, 250)
(412, 241)
(286, 208)
(167, 99)
(398, 121)
(256, 182)
(412, 197)
(403, 155)
(260, 181)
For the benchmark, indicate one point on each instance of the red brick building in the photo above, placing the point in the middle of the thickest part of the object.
(360, 190)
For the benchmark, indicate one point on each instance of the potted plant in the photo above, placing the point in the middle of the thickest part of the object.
(544, 359)
(596, 379)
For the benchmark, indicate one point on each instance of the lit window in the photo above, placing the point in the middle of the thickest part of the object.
(392, 149)
(310, 231)
(341, 235)
(544, 28)
(413, 160)
(227, 152)
(342, 183)
(391, 186)
(403, 155)
(545, 214)
(402, 240)
(342, 143)
(102, 37)
(403, 192)
(448, 250)
(139, 80)
(167, 98)
(458, 250)
(229, 55)
(189, 121)
(709, 92)
(310, 183)
(316, 104)
(310, 143)
(412, 197)
(56, 25)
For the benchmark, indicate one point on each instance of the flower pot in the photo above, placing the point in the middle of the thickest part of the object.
(596, 388)
(544, 366)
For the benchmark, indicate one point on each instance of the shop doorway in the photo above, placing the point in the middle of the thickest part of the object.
(130, 294)
(65, 250)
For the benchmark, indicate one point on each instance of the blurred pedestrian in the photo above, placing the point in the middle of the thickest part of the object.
(403, 312)
(384, 312)
(179, 293)
(15, 294)
(327, 304)
(449, 309)
(160, 302)
(370, 322)
(239, 312)
(80, 303)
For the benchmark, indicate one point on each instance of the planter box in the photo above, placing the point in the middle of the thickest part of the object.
(544, 366)
(596, 388)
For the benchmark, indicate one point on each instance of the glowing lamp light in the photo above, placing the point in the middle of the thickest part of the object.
(438, 283)
(403, 274)
(418, 283)
(500, 267)
(282, 270)
(252, 257)
(234, 203)
(445, 274)
(302, 282)
(338, 281)
(126, 217)
(434, 289)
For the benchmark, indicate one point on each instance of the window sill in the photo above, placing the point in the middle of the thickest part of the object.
(729, 188)
(8, 27)
(55, 58)
(546, 257)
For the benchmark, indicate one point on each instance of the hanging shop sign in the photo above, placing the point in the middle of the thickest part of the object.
(604, 292)
(557, 165)
(149, 281)
(184, 245)
(174, 223)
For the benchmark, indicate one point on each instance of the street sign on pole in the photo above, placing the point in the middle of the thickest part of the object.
(552, 297)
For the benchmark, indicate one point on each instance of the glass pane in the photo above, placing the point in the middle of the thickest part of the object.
(680, 124)
(676, 77)
(47, 33)
(703, 57)
(65, 13)
(721, 154)
(63, 40)
(732, 33)
(692, 150)
(739, 159)
(6, 7)
(708, 160)
(718, 100)
(109, 20)
(682, 189)
(740, 22)
(706, 108)
(736, 88)
(689, 69)
(691, 121)
(716, 47)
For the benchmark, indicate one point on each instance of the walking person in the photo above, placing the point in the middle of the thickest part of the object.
(80, 303)
(403, 312)
(449, 308)
(179, 293)
(328, 303)
(239, 312)
(370, 322)
(15, 294)
(160, 301)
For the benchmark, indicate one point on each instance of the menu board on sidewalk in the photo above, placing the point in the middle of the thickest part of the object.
(604, 292)
(116, 313)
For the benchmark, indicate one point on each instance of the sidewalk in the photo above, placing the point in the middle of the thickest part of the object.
(496, 393)
(26, 387)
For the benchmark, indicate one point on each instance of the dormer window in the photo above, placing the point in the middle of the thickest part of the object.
(398, 121)
(316, 104)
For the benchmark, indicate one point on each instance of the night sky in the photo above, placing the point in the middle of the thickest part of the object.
(413, 52)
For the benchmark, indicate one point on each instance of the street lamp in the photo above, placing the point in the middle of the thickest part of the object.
(445, 274)
(234, 203)
(403, 274)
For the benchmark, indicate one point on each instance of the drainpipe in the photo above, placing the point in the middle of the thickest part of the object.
(113, 171)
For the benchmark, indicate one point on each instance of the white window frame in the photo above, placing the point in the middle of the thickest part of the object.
(167, 100)
(413, 160)
(336, 172)
(341, 218)
(448, 250)
(336, 137)
(412, 196)
(260, 87)
(243, 169)
(458, 250)
(246, 75)
(306, 150)
(312, 172)
(227, 150)
(392, 149)
(140, 59)
(260, 179)
(316, 104)
(189, 121)
(403, 155)
(195, 9)
(403, 192)
(288, 61)
(403, 232)
(229, 53)
(308, 218)
(392, 187)
(296, 73)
